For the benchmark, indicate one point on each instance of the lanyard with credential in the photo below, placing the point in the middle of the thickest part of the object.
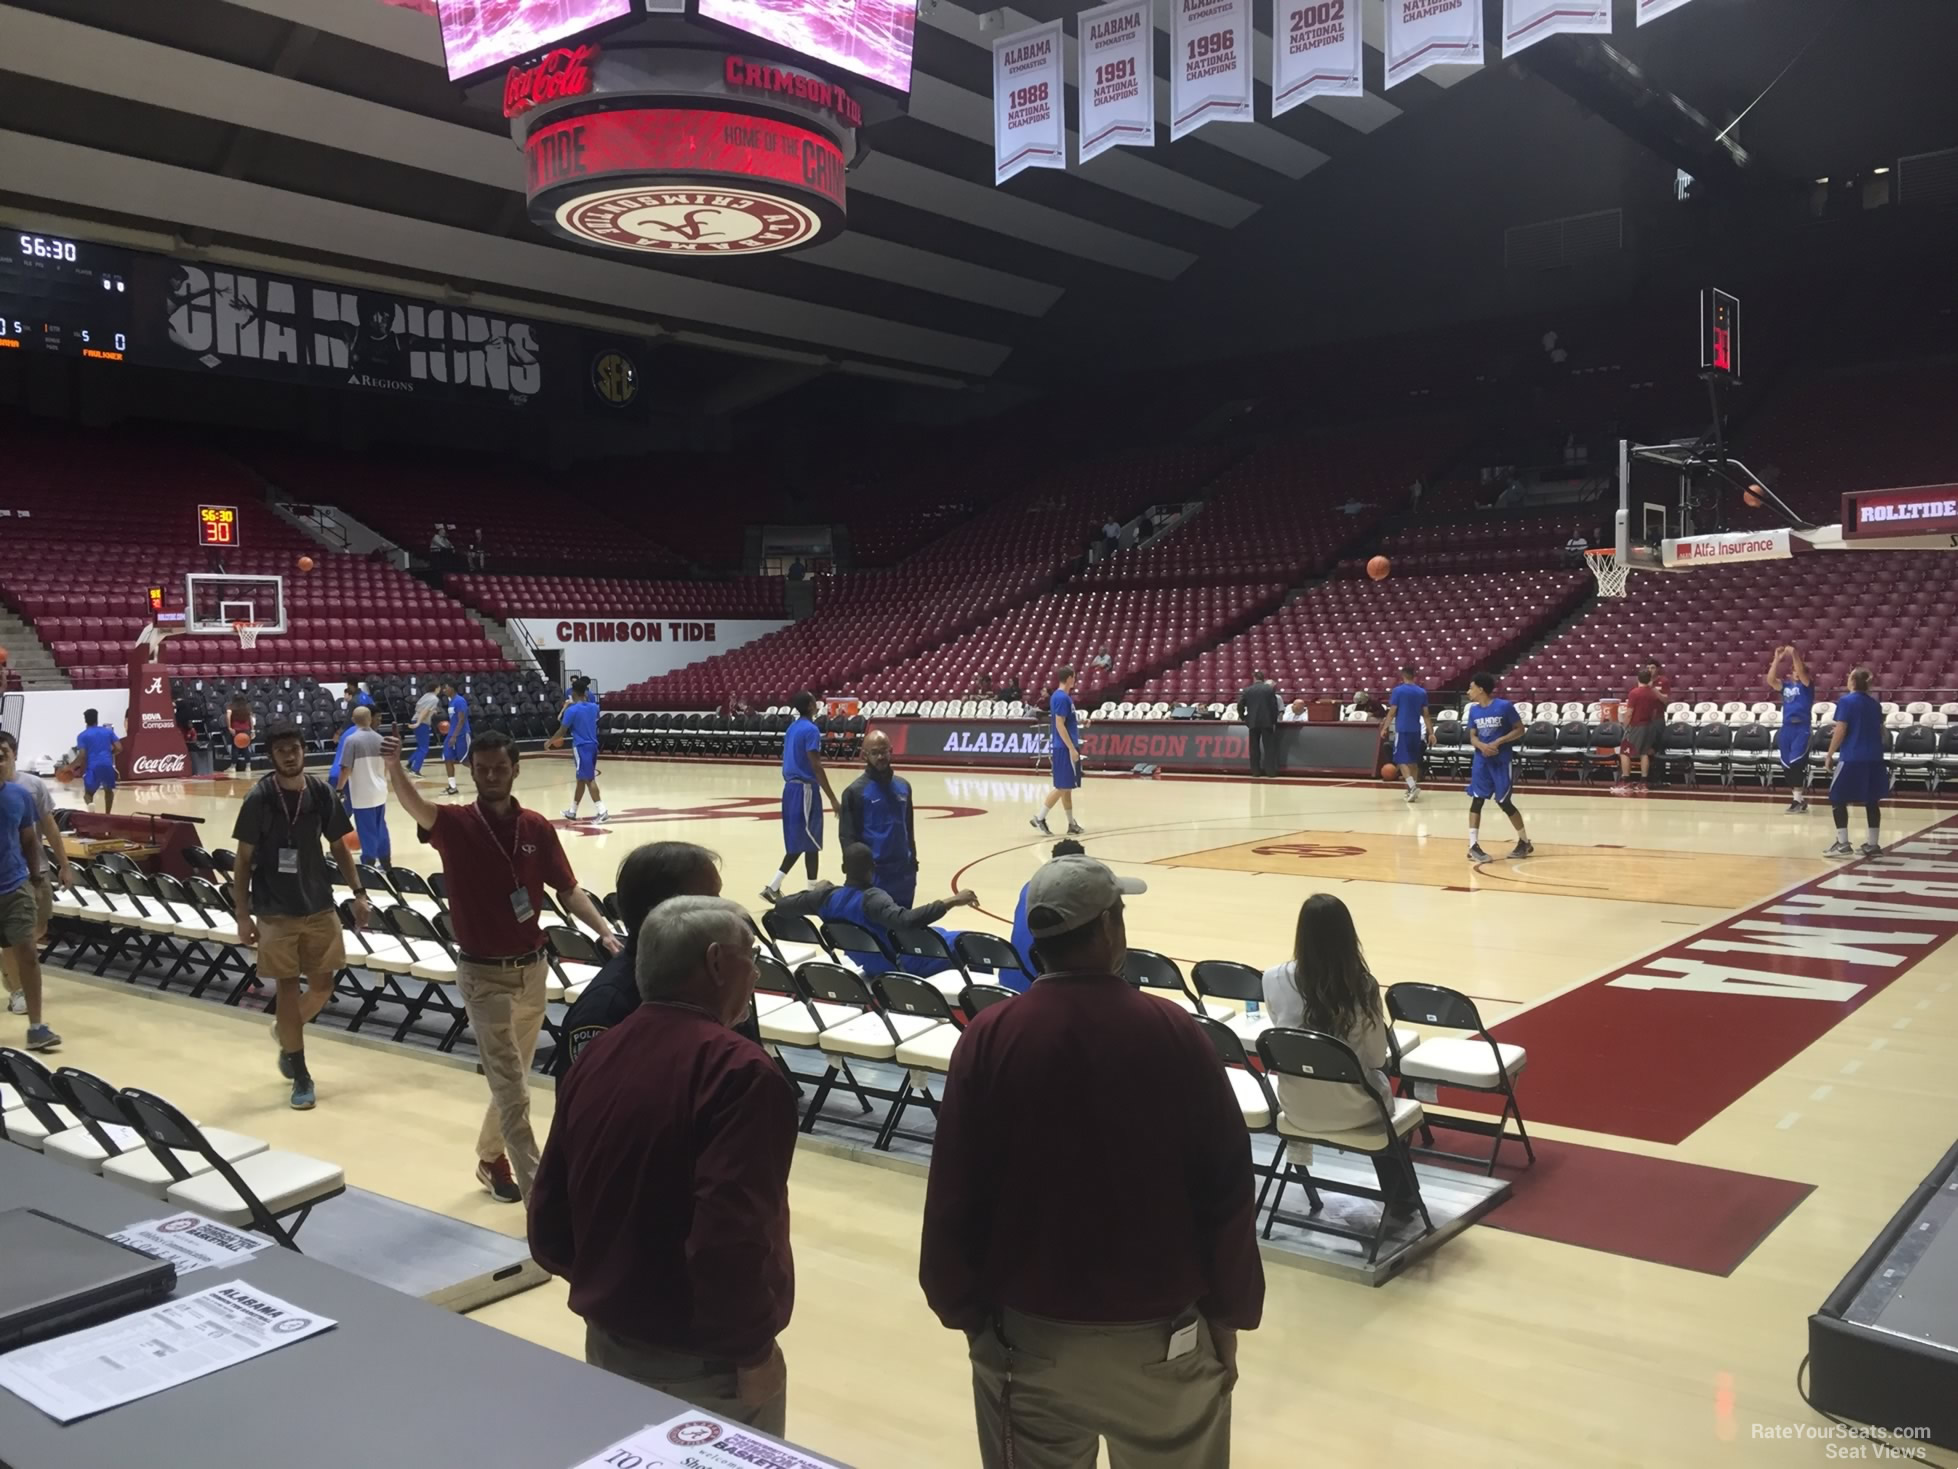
(520, 903)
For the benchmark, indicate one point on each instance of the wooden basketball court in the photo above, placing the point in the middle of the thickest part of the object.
(1829, 1067)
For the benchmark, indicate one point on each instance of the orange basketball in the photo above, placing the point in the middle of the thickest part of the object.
(3, 657)
(1390, 771)
(305, 563)
(1379, 567)
(351, 841)
(65, 774)
(242, 741)
(443, 727)
(1752, 496)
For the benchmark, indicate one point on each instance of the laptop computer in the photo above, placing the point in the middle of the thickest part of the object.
(58, 1277)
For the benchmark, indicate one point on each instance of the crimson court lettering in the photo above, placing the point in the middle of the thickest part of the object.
(759, 76)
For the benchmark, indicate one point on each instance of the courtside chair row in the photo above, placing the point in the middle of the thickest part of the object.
(137, 1139)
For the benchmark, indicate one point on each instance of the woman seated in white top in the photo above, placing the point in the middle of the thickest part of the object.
(1326, 986)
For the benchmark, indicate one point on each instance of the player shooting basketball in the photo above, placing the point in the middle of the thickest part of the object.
(1797, 692)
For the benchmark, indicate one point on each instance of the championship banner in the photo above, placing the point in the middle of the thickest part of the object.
(1651, 10)
(1029, 121)
(1425, 33)
(1118, 77)
(1525, 22)
(1315, 51)
(1727, 546)
(1209, 65)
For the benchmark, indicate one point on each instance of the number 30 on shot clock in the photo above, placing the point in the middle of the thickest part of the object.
(217, 525)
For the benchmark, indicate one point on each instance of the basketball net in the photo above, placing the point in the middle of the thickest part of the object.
(1610, 572)
(247, 633)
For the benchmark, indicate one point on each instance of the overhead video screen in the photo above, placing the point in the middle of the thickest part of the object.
(872, 38)
(481, 35)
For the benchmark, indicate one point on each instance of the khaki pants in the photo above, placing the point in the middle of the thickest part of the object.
(1073, 1384)
(506, 1010)
(704, 1383)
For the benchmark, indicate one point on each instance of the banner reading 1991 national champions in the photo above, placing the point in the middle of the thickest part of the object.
(1118, 76)
(1029, 116)
(1315, 51)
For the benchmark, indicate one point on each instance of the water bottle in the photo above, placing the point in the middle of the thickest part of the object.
(1251, 1012)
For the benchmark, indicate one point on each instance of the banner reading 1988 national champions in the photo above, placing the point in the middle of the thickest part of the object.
(1425, 33)
(1118, 76)
(1315, 51)
(1210, 64)
(1029, 118)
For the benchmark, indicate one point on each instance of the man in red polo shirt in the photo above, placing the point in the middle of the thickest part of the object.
(1645, 713)
(498, 858)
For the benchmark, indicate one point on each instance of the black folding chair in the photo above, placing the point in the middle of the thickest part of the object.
(991, 954)
(931, 1051)
(927, 943)
(1149, 970)
(976, 997)
(1475, 1062)
(841, 936)
(1254, 1098)
(1225, 979)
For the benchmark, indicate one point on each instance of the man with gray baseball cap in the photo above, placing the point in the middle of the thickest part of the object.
(1090, 1222)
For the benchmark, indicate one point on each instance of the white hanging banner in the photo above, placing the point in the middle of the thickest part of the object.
(1651, 10)
(1210, 70)
(1118, 76)
(1425, 33)
(1525, 22)
(1029, 121)
(1315, 51)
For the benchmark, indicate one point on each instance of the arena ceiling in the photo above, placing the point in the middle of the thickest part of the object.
(323, 133)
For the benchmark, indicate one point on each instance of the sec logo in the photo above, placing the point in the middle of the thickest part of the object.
(694, 1433)
(689, 221)
(614, 378)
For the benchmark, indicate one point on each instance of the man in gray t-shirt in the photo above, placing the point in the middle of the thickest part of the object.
(364, 778)
(53, 858)
(425, 716)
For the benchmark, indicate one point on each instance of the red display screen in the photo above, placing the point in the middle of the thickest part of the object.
(873, 38)
(217, 525)
(684, 141)
(1921, 510)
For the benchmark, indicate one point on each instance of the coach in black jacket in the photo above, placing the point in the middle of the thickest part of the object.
(1258, 707)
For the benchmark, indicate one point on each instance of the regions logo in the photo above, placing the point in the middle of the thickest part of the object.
(690, 221)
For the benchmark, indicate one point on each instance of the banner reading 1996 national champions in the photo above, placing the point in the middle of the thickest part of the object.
(1209, 64)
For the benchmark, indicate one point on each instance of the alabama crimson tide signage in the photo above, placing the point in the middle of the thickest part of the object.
(152, 745)
(1209, 64)
(1748, 545)
(1315, 51)
(1425, 33)
(1921, 510)
(1117, 84)
(565, 72)
(1029, 119)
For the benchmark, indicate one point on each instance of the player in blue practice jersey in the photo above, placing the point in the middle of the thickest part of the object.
(455, 744)
(579, 723)
(1797, 693)
(1861, 778)
(802, 812)
(1065, 730)
(99, 747)
(1413, 726)
(1494, 727)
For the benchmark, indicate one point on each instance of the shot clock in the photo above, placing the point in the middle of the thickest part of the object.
(64, 296)
(1720, 333)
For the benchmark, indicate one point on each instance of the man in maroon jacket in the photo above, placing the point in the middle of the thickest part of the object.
(663, 1195)
(1090, 1220)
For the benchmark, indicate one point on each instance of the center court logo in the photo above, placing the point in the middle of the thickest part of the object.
(690, 221)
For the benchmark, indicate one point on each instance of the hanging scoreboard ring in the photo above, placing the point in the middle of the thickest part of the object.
(689, 151)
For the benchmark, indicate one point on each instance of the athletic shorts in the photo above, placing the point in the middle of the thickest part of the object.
(1640, 739)
(1489, 780)
(1408, 749)
(455, 747)
(1859, 782)
(17, 917)
(98, 778)
(587, 758)
(1066, 776)
(43, 906)
(292, 948)
(802, 816)
(1792, 741)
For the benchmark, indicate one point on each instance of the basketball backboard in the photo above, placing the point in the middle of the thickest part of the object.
(216, 602)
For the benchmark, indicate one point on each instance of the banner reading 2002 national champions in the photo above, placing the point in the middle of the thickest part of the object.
(1315, 51)
(1118, 76)
(1029, 117)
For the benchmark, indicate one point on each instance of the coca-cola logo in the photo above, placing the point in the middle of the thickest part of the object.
(173, 764)
(565, 72)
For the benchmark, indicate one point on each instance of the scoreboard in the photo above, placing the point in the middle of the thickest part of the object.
(63, 296)
(217, 525)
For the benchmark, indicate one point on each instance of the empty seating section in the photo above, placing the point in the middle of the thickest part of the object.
(505, 597)
(79, 568)
(1142, 629)
(1490, 542)
(867, 621)
(1713, 629)
(1343, 636)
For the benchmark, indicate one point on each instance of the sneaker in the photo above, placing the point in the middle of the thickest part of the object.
(1839, 849)
(570, 813)
(1523, 848)
(1039, 824)
(42, 1038)
(1412, 797)
(1796, 808)
(1476, 854)
(17, 1003)
(452, 791)
(770, 896)
(303, 1097)
(1621, 788)
(496, 1177)
(601, 816)
(1872, 849)
(1075, 830)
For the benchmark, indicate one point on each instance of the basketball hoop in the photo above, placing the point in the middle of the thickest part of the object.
(248, 633)
(1609, 570)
